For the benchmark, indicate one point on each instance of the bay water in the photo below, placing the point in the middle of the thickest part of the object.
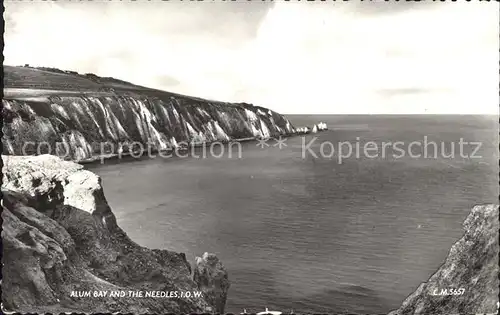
(299, 228)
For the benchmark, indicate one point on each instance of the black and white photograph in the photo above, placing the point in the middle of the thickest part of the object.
(250, 157)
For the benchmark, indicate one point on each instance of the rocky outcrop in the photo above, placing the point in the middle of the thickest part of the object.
(467, 282)
(60, 236)
(303, 130)
(85, 117)
(321, 126)
(211, 277)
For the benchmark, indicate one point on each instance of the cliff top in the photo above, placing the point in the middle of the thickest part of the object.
(44, 80)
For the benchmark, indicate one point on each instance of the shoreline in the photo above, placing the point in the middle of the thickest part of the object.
(140, 154)
(118, 156)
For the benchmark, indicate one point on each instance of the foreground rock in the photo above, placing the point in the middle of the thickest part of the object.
(211, 277)
(467, 282)
(60, 235)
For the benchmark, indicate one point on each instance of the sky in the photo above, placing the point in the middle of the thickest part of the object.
(293, 57)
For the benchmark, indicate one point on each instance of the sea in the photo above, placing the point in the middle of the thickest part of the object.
(301, 223)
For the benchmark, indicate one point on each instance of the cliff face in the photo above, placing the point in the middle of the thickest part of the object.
(82, 117)
(467, 282)
(60, 235)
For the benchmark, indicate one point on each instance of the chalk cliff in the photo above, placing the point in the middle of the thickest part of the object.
(83, 117)
(467, 282)
(60, 235)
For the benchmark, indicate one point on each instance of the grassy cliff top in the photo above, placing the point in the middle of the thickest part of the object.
(31, 81)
